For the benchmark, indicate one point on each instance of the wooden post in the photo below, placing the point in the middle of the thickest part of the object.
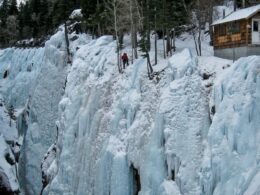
(247, 32)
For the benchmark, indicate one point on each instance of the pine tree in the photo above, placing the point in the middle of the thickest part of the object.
(88, 7)
(62, 10)
(4, 9)
(25, 21)
(13, 8)
(44, 22)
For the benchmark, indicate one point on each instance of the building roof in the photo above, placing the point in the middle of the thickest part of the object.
(239, 15)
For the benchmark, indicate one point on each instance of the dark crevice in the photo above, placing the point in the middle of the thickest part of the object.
(213, 110)
(5, 74)
(173, 175)
(136, 180)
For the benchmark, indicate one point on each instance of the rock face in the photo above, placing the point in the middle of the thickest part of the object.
(86, 129)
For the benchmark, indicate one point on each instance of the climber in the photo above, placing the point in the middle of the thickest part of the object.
(125, 60)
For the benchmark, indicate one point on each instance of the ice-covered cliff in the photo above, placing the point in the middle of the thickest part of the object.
(33, 83)
(231, 157)
(192, 130)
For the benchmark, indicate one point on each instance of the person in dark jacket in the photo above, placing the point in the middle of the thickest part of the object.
(125, 60)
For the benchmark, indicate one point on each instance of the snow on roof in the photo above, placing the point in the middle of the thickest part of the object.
(238, 15)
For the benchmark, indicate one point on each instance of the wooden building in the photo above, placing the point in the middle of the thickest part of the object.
(238, 34)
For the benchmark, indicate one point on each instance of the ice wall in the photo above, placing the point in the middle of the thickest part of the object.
(9, 153)
(184, 105)
(89, 125)
(231, 159)
(122, 134)
(35, 82)
(113, 125)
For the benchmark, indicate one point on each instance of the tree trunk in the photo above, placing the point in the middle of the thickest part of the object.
(149, 66)
(199, 40)
(117, 40)
(168, 43)
(132, 30)
(155, 48)
(121, 40)
(173, 40)
(132, 38)
(155, 38)
(195, 41)
(185, 6)
(99, 25)
(164, 54)
(243, 3)
(140, 18)
(99, 30)
(135, 42)
(211, 12)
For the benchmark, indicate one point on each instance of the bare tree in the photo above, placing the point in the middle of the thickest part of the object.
(119, 13)
(201, 13)
(135, 18)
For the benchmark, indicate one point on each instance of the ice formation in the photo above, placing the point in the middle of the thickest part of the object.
(86, 129)
(35, 81)
(231, 160)
(9, 152)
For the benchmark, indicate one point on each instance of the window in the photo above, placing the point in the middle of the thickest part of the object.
(255, 26)
(222, 30)
(233, 28)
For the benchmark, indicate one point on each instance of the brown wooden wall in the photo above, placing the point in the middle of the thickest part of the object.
(230, 40)
(238, 39)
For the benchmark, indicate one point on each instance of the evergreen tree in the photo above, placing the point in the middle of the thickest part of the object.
(13, 8)
(4, 9)
(62, 10)
(25, 21)
(44, 17)
(94, 15)
(88, 7)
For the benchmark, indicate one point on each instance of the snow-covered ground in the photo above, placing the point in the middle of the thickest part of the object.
(192, 130)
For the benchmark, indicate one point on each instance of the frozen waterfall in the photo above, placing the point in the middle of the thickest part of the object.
(92, 131)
